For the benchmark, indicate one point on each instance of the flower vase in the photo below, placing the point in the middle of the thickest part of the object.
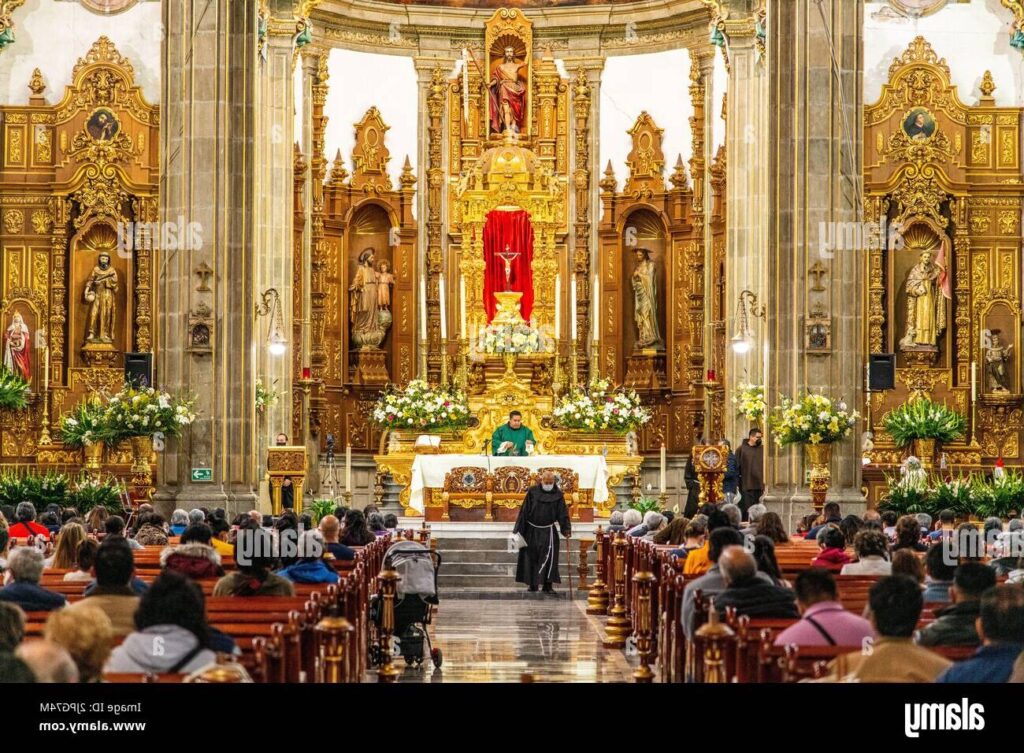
(924, 450)
(819, 456)
(93, 454)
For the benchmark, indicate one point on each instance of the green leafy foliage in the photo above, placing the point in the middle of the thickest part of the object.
(13, 390)
(924, 419)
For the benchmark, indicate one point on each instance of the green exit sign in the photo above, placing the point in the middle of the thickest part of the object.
(202, 474)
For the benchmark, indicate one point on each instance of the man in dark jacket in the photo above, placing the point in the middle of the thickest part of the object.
(749, 594)
(954, 625)
(750, 464)
(1001, 629)
(831, 513)
(26, 566)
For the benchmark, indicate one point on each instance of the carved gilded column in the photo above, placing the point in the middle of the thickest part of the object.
(582, 101)
(434, 90)
(697, 252)
(58, 287)
(585, 202)
(317, 72)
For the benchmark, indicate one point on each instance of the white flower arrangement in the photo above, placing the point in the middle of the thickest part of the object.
(811, 419)
(265, 397)
(601, 408)
(749, 401)
(137, 412)
(510, 338)
(420, 407)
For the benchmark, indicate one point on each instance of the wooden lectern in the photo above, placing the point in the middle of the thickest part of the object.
(286, 463)
(710, 461)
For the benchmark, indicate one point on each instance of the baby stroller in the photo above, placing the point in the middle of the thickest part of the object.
(416, 594)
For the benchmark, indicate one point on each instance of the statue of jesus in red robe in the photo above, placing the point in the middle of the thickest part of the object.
(508, 94)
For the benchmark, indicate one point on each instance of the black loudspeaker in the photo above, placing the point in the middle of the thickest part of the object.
(138, 369)
(882, 371)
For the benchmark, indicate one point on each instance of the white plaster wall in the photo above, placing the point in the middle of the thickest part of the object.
(972, 37)
(52, 36)
(657, 82)
(359, 80)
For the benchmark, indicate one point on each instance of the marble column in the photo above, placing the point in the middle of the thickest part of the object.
(273, 238)
(207, 158)
(747, 204)
(815, 176)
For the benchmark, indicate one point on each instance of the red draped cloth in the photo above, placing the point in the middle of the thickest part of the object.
(511, 229)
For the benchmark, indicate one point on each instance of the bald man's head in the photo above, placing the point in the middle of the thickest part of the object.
(48, 661)
(737, 564)
(330, 527)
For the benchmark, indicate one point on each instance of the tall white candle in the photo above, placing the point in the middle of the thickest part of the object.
(572, 309)
(423, 308)
(663, 461)
(443, 305)
(462, 306)
(348, 467)
(596, 315)
(974, 381)
(46, 369)
(558, 306)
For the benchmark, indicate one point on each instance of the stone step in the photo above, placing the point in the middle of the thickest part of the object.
(493, 555)
(519, 593)
(446, 583)
(498, 544)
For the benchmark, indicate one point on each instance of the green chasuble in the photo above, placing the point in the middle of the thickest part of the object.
(518, 438)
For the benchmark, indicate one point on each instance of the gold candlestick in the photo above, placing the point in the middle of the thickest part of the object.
(574, 360)
(595, 357)
(444, 361)
(463, 375)
(423, 360)
(557, 375)
(44, 433)
(974, 421)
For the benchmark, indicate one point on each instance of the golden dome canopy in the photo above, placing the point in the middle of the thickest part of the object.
(508, 157)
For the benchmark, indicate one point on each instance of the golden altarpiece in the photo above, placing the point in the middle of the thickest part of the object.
(943, 186)
(668, 352)
(507, 133)
(78, 203)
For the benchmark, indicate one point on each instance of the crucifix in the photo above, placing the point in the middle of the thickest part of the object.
(508, 256)
(817, 271)
(203, 272)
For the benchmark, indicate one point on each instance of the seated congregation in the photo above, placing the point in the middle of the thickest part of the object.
(872, 598)
(198, 598)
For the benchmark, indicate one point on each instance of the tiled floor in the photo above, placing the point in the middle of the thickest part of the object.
(499, 640)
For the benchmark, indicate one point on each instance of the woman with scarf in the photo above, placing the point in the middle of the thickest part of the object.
(543, 508)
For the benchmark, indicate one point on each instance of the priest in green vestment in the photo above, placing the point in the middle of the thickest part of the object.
(512, 438)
